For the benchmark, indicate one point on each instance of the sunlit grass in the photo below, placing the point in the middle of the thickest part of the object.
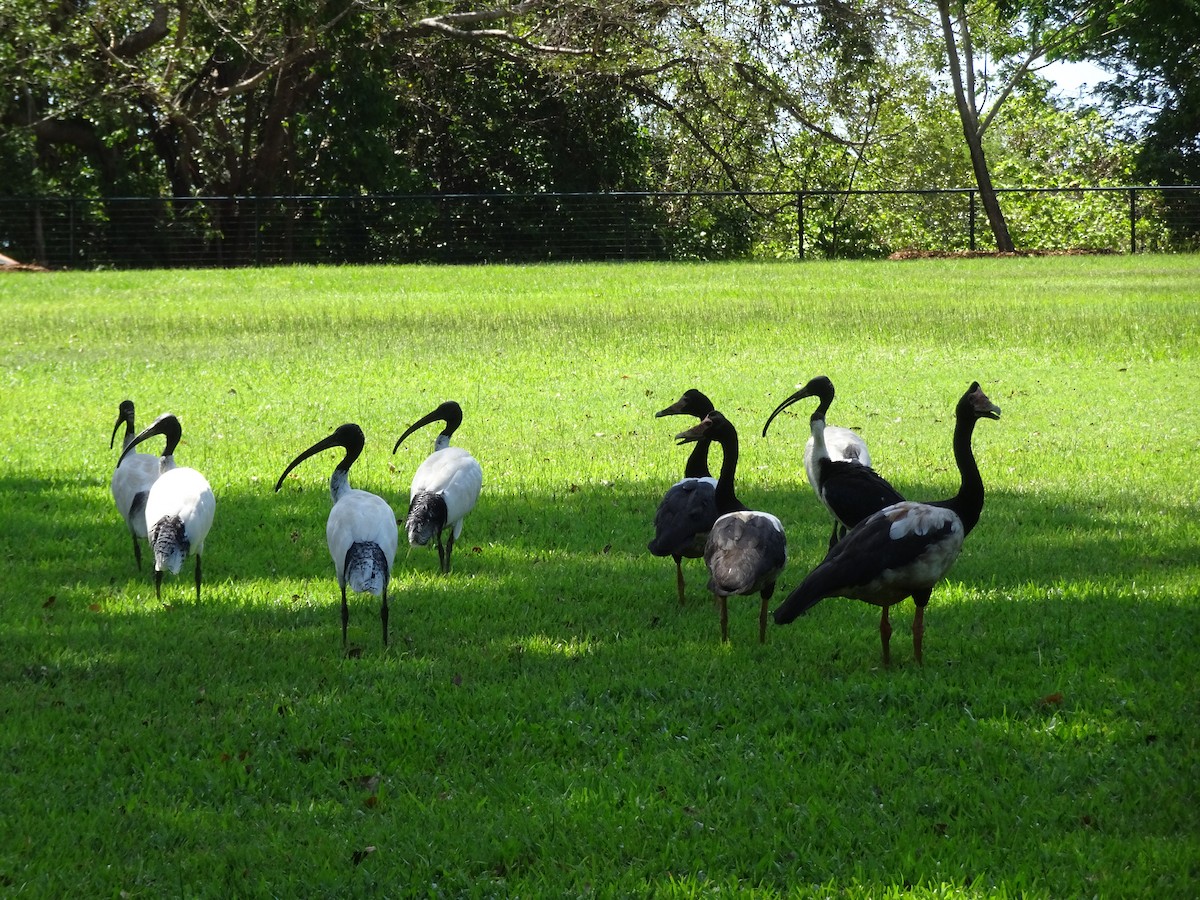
(548, 720)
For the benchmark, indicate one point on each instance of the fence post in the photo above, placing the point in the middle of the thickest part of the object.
(971, 219)
(800, 224)
(1133, 220)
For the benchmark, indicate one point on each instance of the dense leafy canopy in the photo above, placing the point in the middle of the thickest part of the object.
(348, 97)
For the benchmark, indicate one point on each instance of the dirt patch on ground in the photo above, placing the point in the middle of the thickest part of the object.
(985, 254)
(8, 264)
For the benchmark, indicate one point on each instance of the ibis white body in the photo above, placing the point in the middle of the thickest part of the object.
(131, 482)
(456, 476)
(179, 514)
(361, 529)
(362, 518)
(445, 487)
(180, 505)
(840, 444)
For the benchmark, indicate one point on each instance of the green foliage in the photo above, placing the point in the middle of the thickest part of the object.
(548, 720)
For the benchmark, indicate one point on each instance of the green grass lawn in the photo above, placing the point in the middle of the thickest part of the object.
(548, 721)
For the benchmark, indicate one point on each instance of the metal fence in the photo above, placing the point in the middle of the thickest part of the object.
(167, 232)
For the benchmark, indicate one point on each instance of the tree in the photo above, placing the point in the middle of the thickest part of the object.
(991, 47)
(1150, 45)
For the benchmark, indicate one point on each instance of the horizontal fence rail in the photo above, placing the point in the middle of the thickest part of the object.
(167, 232)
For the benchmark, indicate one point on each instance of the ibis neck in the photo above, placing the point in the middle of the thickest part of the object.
(816, 425)
(339, 481)
(822, 409)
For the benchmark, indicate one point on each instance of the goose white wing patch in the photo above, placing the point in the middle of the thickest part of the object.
(920, 519)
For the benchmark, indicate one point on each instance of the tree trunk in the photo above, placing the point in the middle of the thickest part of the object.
(965, 98)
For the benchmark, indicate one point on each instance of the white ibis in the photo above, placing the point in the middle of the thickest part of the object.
(445, 487)
(361, 529)
(179, 506)
(837, 464)
(131, 481)
(688, 509)
(746, 549)
(906, 549)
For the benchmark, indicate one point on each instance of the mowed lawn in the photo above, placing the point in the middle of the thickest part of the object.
(548, 721)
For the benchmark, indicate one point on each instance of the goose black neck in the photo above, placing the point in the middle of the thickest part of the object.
(968, 502)
(697, 461)
(726, 495)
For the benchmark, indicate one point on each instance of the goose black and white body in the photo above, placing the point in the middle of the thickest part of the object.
(746, 549)
(179, 505)
(688, 509)
(838, 465)
(905, 549)
(445, 487)
(361, 530)
(131, 480)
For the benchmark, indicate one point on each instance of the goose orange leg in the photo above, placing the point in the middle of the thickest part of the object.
(919, 632)
(885, 636)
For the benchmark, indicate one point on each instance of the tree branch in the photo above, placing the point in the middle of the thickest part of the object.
(140, 41)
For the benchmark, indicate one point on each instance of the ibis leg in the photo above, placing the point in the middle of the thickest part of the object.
(918, 633)
(383, 616)
(345, 616)
(137, 550)
(762, 622)
(724, 601)
(158, 585)
(441, 554)
(197, 577)
(449, 551)
(679, 578)
(885, 636)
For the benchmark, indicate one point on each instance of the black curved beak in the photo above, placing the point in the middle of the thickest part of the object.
(124, 416)
(449, 412)
(799, 395)
(348, 436)
(166, 425)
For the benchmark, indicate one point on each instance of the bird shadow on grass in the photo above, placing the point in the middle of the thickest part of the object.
(558, 645)
(573, 562)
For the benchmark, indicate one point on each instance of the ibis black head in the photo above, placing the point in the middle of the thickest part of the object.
(166, 425)
(449, 412)
(820, 387)
(975, 403)
(711, 427)
(692, 403)
(124, 417)
(348, 436)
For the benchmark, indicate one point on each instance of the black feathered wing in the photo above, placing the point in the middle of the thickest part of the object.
(684, 518)
(903, 548)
